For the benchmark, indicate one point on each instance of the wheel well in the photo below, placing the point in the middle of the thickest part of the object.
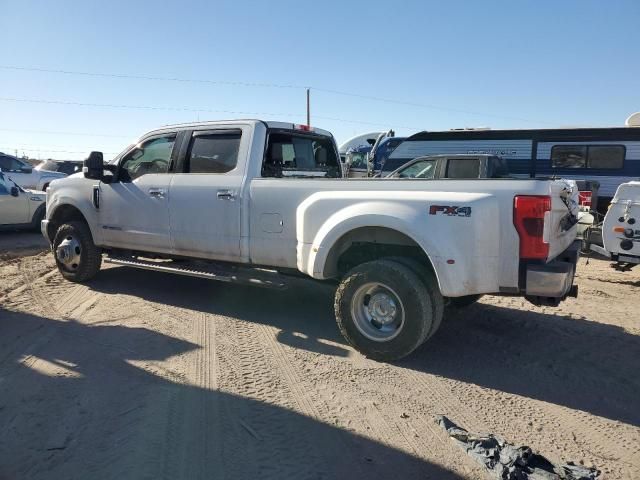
(39, 212)
(371, 243)
(63, 214)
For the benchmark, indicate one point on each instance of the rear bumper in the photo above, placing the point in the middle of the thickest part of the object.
(552, 282)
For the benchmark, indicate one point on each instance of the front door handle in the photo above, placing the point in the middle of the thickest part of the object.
(157, 192)
(226, 195)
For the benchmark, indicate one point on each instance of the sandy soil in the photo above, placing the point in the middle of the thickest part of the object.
(147, 375)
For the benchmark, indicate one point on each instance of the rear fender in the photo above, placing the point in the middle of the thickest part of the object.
(463, 249)
(313, 257)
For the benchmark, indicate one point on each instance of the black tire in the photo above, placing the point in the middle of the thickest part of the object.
(404, 286)
(462, 302)
(431, 283)
(38, 216)
(90, 256)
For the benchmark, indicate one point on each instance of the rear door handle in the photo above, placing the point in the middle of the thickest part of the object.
(226, 195)
(157, 192)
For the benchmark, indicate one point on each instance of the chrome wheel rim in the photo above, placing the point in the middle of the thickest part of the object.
(68, 253)
(377, 311)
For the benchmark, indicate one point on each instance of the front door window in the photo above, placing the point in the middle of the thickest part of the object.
(152, 156)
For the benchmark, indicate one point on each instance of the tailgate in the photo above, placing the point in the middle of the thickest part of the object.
(560, 226)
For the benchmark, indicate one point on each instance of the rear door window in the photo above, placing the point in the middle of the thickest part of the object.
(214, 152)
(463, 168)
(297, 155)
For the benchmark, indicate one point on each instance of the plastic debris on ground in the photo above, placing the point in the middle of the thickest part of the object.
(505, 461)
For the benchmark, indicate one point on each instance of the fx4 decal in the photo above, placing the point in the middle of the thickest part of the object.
(450, 211)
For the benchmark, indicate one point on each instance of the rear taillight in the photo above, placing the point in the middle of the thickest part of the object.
(584, 198)
(528, 218)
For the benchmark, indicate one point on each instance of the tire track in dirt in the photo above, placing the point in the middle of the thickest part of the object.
(382, 421)
(276, 447)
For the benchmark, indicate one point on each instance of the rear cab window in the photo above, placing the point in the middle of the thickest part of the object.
(300, 155)
(463, 168)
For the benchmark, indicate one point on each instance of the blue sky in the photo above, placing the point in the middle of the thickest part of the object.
(503, 64)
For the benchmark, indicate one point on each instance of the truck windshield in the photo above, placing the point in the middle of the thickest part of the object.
(297, 155)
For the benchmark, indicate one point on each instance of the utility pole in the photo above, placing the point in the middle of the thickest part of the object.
(309, 107)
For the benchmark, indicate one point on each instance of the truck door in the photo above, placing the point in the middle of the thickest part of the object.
(133, 209)
(13, 210)
(206, 201)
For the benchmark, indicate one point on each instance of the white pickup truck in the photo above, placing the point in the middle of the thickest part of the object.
(252, 201)
(25, 175)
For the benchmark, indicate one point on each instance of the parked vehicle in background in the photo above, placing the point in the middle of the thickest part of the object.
(357, 161)
(609, 155)
(68, 167)
(453, 166)
(380, 163)
(620, 230)
(25, 175)
(364, 139)
(254, 202)
(371, 160)
(20, 208)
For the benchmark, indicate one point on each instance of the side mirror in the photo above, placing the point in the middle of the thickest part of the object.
(26, 169)
(93, 166)
(15, 192)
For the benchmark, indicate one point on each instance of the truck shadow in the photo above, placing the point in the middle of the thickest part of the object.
(83, 401)
(576, 363)
(571, 362)
(303, 313)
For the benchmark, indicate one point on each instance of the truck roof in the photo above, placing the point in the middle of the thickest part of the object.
(268, 124)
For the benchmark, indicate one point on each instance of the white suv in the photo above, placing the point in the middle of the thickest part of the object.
(20, 208)
(25, 175)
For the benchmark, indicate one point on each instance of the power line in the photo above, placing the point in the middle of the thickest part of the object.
(190, 109)
(42, 146)
(46, 150)
(151, 77)
(140, 107)
(424, 105)
(50, 132)
(271, 85)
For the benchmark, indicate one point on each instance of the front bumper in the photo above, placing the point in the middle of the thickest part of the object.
(550, 283)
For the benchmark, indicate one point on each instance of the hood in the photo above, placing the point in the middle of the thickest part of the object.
(49, 173)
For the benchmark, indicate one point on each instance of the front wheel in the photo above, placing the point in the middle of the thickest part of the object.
(77, 257)
(383, 310)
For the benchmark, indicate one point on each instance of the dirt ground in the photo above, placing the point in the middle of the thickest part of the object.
(146, 375)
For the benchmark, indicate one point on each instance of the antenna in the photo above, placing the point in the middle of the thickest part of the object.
(308, 107)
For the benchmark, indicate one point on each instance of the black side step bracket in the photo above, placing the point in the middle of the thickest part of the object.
(210, 271)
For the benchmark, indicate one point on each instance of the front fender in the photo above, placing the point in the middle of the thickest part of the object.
(78, 198)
